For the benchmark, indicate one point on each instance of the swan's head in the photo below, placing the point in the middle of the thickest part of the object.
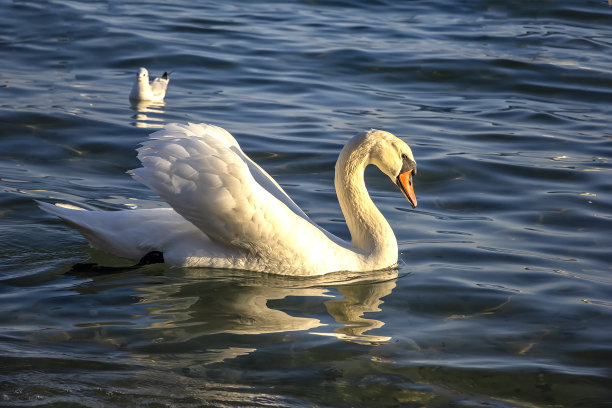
(394, 158)
(143, 75)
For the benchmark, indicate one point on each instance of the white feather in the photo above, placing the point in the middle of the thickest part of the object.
(228, 212)
(142, 90)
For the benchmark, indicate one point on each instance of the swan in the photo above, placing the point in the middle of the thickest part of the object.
(143, 91)
(227, 212)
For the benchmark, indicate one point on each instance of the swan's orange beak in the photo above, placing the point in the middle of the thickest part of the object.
(404, 182)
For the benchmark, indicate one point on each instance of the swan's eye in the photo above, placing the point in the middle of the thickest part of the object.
(408, 164)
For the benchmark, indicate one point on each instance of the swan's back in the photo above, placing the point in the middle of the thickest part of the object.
(203, 174)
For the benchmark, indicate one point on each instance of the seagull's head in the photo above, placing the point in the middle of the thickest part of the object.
(143, 75)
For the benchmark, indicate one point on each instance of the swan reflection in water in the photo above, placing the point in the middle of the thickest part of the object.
(148, 114)
(207, 302)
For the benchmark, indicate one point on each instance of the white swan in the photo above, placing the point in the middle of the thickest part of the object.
(227, 212)
(143, 91)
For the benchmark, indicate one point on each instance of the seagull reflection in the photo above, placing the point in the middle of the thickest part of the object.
(145, 114)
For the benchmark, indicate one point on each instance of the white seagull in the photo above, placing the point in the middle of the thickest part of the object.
(227, 212)
(143, 91)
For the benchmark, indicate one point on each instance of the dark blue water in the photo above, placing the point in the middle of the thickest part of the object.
(503, 294)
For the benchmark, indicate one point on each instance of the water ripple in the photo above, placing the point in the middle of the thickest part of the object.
(504, 266)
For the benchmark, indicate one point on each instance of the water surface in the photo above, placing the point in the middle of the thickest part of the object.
(503, 293)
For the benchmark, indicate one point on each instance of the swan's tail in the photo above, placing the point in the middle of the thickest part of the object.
(101, 228)
(133, 233)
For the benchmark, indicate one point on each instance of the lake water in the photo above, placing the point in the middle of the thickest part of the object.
(503, 294)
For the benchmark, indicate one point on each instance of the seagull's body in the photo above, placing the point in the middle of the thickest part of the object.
(143, 91)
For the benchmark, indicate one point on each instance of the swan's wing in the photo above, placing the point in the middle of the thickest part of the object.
(265, 180)
(202, 173)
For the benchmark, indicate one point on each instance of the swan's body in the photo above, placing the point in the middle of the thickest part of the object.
(143, 91)
(227, 212)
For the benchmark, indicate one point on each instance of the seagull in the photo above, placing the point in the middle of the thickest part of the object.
(143, 91)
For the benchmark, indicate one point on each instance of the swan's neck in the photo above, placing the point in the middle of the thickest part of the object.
(370, 232)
